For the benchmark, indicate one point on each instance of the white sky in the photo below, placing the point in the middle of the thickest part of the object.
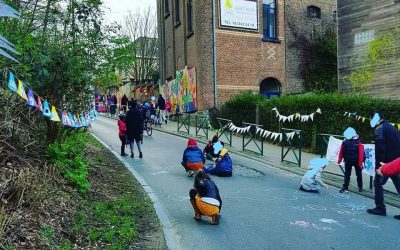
(115, 10)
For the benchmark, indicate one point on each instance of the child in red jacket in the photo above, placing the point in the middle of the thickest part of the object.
(122, 133)
(352, 151)
(389, 169)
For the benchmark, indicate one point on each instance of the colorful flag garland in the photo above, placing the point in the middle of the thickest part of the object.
(298, 116)
(49, 111)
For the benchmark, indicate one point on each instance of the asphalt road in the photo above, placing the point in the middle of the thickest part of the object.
(261, 210)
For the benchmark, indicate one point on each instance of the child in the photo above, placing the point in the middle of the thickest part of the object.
(193, 159)
(208, 150)
(352, 151)
(312, 179)
(122, 133)
(168, 108)
(389, 169)
(205, 198)
(223, 163)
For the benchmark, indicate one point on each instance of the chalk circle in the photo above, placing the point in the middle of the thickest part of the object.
(179, 198)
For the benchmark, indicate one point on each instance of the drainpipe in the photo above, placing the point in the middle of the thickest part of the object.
(214, 44)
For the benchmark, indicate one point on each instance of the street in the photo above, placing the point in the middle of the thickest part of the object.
(261, 210)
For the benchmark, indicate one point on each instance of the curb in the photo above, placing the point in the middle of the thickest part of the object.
(169, 232)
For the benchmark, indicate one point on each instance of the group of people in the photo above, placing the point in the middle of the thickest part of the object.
(205, 197)
(387, 162)
(131, 128)
(109, 102)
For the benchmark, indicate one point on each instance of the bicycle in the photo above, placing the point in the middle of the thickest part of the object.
(148, 127)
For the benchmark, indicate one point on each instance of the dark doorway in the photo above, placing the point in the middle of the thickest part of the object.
(270, 87)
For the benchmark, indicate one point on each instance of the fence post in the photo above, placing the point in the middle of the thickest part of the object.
(314, 139)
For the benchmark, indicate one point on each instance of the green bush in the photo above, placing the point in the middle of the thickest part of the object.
(242, 108)
(69, 156)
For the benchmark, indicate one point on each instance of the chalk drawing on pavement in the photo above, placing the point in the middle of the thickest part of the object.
(305, 224)
(357, 221)
(342, 211)
(179, 198)
(309, 207)
(268, 194)
(352, 207)
(341, 196)
(331, 221)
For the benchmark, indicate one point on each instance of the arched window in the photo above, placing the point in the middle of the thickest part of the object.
(269, 20)
(313, 12)
(270, 87)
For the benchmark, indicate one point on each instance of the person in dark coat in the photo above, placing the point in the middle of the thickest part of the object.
(161, 107)
(387, 149)
(134, 127)
(124, 103)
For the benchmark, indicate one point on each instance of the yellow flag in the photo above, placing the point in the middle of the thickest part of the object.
(54, 115)
(398, 126)
(363, 119)
(21, 90)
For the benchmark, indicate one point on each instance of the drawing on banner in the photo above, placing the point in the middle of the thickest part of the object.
(305, 224)
(357, 221)
(369, 163)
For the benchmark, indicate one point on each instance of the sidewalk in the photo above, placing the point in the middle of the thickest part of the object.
(272, 156)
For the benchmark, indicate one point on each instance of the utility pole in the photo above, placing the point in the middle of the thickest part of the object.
(214, 42)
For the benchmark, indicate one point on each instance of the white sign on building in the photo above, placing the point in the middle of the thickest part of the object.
(242, 14)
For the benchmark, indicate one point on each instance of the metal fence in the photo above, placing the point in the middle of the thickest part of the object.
(291, 144)
(251, 136)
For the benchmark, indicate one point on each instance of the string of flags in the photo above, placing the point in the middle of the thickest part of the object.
(363, 119)
(7, 11)
(296, 116)
(33, 100)
(263, 133)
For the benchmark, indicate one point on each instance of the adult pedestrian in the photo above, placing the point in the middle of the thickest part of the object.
(124, 103)
(134, 127)
(161, 107)
(387, 149)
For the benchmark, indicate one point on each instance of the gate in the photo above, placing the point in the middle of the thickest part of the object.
(184, 122)
(291, 143)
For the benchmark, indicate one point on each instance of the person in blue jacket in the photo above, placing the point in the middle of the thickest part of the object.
(193, 158)
(223, 163)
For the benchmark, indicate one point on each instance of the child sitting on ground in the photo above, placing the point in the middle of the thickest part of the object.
(312, 179)
(193, 159)
(122, 133)
(352, 152)
(205, 198)
(223, 163)
(209, 150)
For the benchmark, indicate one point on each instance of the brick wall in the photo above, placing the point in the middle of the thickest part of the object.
(244, 59)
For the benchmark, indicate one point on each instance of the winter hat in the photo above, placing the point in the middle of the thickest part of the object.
(218, 147)
(349, 133)
(214, 139)
(192, 142)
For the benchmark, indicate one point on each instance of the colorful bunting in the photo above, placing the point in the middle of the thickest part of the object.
(54, 115)
(31, 99)
(46, 110)
(11, 83)
(21, 90)
(39, 103)
(291, 118)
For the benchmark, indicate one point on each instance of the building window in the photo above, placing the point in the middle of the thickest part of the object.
(269, 19)
(166, 7)
(334, 16)
(177, 14)
(314, 12)
(364, 37)
(189, 15)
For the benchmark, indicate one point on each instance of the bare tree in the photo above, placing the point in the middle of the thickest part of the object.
(141, 28)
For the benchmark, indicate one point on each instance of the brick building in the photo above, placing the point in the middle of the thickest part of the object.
(359, 23)
(250, 45)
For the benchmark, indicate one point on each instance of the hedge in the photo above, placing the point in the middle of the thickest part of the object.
(242, 108)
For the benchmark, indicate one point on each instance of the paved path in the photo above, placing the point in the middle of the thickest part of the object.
(260, 210)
